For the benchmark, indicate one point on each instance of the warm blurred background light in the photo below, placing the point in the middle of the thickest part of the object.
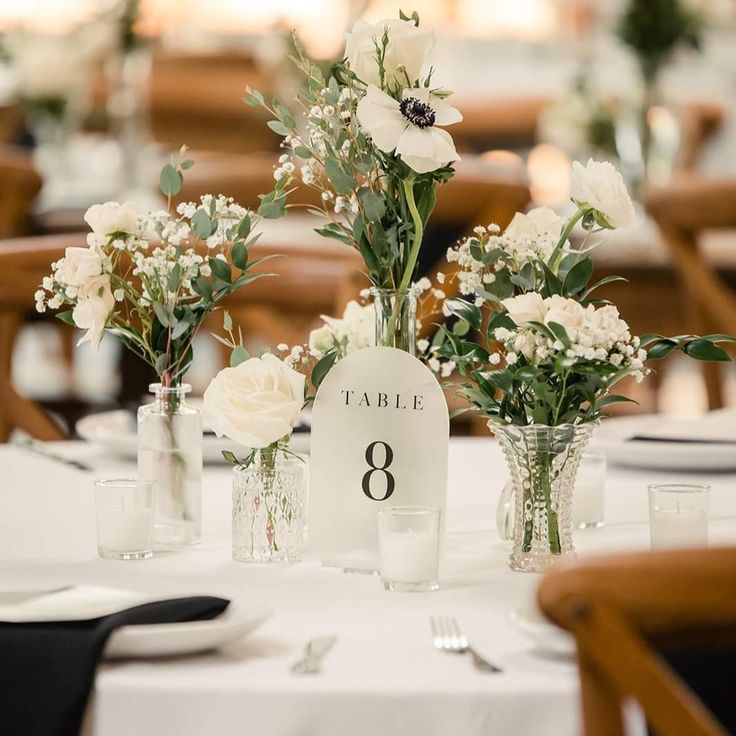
(95, 94)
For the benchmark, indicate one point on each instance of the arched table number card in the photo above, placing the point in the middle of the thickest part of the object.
(380, 432)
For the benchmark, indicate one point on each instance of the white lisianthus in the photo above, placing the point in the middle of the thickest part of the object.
(112, 217)
(78, 266)
(566, 312)
(257, 403)
(526, 308)
(410, 127)
(600, 187)
(535, 224)
(405, 54)
(355, 330)
(95, 301)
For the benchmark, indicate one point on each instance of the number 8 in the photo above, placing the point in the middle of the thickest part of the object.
(390, 480)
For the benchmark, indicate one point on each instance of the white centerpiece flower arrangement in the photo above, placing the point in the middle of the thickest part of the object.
(257, 402)
(151, 279)
(543, 365)
(371, 141)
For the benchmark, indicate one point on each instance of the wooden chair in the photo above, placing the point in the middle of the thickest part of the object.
(683, 211)
(20, 184)
(634, 615)
(197, 99)
(315, 278)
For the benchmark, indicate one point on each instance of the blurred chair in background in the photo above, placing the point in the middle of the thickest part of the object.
(683, 211)
(315, 278)
(659, 629)
(198, 100)
(23, 263)
(20, 184)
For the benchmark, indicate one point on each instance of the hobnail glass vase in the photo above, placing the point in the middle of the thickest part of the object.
(396, 318)
(269, 514)
(170, 455)
(543, 463)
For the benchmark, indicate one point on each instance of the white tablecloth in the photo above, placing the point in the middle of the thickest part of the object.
(383, 676)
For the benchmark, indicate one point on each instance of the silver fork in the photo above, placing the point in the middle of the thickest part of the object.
(447, 637)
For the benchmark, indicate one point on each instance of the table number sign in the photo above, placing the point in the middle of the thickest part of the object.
(380, 430)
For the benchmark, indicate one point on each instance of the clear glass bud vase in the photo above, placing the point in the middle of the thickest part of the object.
(396, 318)
(269, 514)
(170, 455)
(543, 462)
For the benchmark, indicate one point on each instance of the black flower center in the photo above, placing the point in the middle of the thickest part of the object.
(416, 112)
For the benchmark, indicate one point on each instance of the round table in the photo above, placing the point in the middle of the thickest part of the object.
(383, 675)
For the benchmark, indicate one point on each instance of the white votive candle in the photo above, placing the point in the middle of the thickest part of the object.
(408, 548)
(588, 501)
(678, 515)
(125, 517)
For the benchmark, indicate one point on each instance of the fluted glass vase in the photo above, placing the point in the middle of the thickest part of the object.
(269, 511)
(543, 463)
(396, 318)
(170, 455)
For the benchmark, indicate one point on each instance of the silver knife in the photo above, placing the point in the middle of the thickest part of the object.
(314, 652)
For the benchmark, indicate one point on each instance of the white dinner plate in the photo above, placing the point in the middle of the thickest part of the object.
(115, 431)
(190, 637)
(547, 637)
(613, 439)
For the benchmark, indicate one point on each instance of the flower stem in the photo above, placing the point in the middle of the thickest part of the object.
(411, 262)
(554, 260)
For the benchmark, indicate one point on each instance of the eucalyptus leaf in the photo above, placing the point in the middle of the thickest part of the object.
(239, 355)
(170, 181)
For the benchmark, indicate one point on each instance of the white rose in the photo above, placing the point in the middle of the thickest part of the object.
(321, 340)
(526, 308)
(406, 51)
(78, 266)
(256, 403)
(112, 217)
(94, 304)
(566, 312)
(600, 187)
(535, 224)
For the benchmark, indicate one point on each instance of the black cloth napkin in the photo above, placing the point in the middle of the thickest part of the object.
(47, 669)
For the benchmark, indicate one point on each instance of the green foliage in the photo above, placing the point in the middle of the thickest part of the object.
(655, 29)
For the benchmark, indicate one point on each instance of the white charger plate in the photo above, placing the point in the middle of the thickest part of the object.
(115, 432)
(190, 637)
(612, 438)
(542, 633)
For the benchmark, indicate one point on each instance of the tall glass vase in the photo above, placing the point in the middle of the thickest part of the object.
(269, 511)
(396, 318)
(170, 455)
(543, 462)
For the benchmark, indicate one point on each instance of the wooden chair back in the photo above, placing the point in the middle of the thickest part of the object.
(20, 184)
(683, 211)
(197, 99)
(315, 278)
(626, 613)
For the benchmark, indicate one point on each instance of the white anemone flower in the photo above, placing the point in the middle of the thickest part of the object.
(410, 127)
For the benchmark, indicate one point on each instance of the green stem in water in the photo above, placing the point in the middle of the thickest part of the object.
(556, 257)
(411, 262)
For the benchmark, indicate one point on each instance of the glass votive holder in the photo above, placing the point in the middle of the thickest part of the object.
(125, 513)
(588, 501)
(678, 515)
(409, 548)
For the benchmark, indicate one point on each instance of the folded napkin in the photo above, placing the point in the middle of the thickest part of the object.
(47, 666)
(715, 427)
